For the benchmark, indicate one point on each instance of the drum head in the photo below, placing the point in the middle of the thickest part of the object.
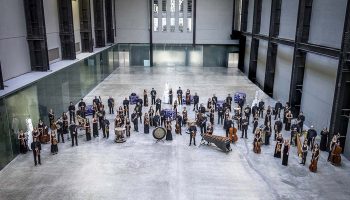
(159, 133)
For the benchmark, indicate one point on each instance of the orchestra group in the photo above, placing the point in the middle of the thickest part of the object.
(68, 125)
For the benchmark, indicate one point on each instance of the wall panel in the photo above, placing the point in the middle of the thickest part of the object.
(265, 17)
(247, 55)
(289, 15)
(261, 64)
(250, 16)
(52, 25)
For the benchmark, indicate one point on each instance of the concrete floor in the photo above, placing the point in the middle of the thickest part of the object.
(143, 169)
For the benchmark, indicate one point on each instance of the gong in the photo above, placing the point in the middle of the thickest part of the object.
(159, 133)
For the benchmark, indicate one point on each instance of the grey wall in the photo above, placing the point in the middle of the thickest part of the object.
(247, 55)
(265, 17)
(132, 21)
(283, 71)
(289, 14)
(318, 90)
(52, 26)
(261, 64)
(76, 23)
(250, 16)
(15, 60)
(327, 22)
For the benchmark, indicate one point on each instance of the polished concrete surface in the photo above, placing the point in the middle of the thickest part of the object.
(143, 169)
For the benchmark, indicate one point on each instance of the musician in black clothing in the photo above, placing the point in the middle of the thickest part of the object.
(71, 110)
(203, 124)
(278, 108)
(179, 96)
(60, 130)
(301, 119)
(138, 109)
(126, 106)
(96, 101)
(311, 135)
(179, 119)
(255, 122)
(156, 119)
(101, 115)
(241, 103)
(111, 105)
(245, 123)
(228, 123)
(162, 118)
(193, 132)
(277, 127)
(82, 107)
(255, 110)
(247, 112)
(229, 101)
(36, 148)
(106, 129)
(153, 96)
(220, 115)
(304, 150)
(170, 96)
(214, 99)
(195, 101)
(73, 129)
(135, 121)
(261, 108)
(202, 108)
(158, 105)
(51, 116)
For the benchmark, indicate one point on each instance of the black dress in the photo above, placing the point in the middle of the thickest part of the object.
(146, 126)
(324, 140)
(278, 148)
(169, 136)
(285, 155)
(94, 129)
(22, 144)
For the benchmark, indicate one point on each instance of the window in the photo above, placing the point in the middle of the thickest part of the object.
(189, 6)
(155, 24)
(172, 6)
(172, 24)
(189, 24)
(164, 24)
(155, 7)
(181, 24)
(164, 6)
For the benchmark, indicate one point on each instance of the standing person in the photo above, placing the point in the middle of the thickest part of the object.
(211, 116)
(277, 127)
(261, 108)
(244, 127)
(87, 130)
(314, 158)
(311, 136)
(73, 129)
(304, 150)
(156, 120)
(268, 116)
(203, 124)
(286, 148)
(134, 118)
(95, 127)
(54, 146)
(146, 124)
(138, 110)
(179, 95)
(59, 125)
(106, 124)
(193, 132)
(324, 139)
(22, 142)
(255, 122)
(255, 111)
(277, 110)
(170, 96)
(158, 105)
(220, 115)
(227, 125)
(71, 110)
(214, 99)
(145, 98)
(168, 128)
(110, 103)
(151, 115)
(153, 96)
(195, 101)
(126, 106)
(289, 117)
(36, 148)
(278, 147)
(257, 142)
(286, 110)
(301, 119)
(162, 118)
(229, 101)
(178, 124)
(127, 127)
(184, 117)
(101, 115)
(51, 118)
(267, 134)
(247, 112)
(82, 107)
(188, 97)
(65, 124)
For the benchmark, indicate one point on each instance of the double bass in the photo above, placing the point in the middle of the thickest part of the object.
(313, 164)
(335, 157)
(233, 134)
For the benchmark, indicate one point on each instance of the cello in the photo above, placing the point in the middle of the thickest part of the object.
(336, 158)
(233, 134)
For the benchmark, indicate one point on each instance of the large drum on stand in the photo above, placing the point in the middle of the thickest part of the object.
(119, 135)
(159, 133)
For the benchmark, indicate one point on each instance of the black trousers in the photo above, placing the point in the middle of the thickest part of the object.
(100, 119)
(220, 119)
(111, 110)
(304, 158)
(195, 106)
(37, 159)
(255, 126)
(71, 117)
(60, 135)
(244, 132)
(153, 100)
(104, 131)
(261, 113)
(203, 129)
(194, 139)
(136, 127)
(74, 139)
(170, 99)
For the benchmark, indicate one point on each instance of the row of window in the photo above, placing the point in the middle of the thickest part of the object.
(160, 18)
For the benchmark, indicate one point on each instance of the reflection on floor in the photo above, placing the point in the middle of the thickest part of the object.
(143, 169)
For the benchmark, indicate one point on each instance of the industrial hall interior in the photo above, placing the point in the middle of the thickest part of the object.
(174, 99)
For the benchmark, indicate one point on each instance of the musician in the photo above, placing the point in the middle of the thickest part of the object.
(286, 148)
(184, 116)
(180, 120)
(247, 112)
(36, 133)
(195, 101)
(332, 145)
(168, 128)
(94, 109)
(227, 125)
(267, 130)
(103, 127)
(238, 117)
(220, 114)
(153, 96)
(175, 107)
(202, 108)
(278, 147)
(156, 119)
(261, 108)
(51, 118)
(257, 142)
(59, 125)
(41, 126)
(209, 104)
(278, 108)
(244, 125)
(193, 132)
(293, 136)
(211, 116)
(324, 139)
(178, 124)
(126, 106)
(255, 110)
(301, 119)
(127, 127)
(36, 147)
(203, 123)
(146, 124)
(158, 105)
(65, 124)
(304, 150)
(268, 116)
(188, 97)
(277, 127)
(106, 129)
(95, 127)
(255, 122)
(140, 101)
(87, 130)
(96, 101)
(170, 96)
(214, 99)
(179, 95)
(22, 142)
(286, 111)
(289, 117)
(53, 140)
(82, 107)
(134, 118)
(210, 130)
(101, 115)
(110, 103)
(229, 101)
(314, 158)
(145, 98)
(138, 110)
(151, 114)
(311, 135)
(162, 118)
(71, 110)
(73, 129)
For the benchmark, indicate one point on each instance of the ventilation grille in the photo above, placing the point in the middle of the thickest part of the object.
(54, 54)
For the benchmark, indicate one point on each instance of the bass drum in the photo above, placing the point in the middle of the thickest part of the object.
(159, 133)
